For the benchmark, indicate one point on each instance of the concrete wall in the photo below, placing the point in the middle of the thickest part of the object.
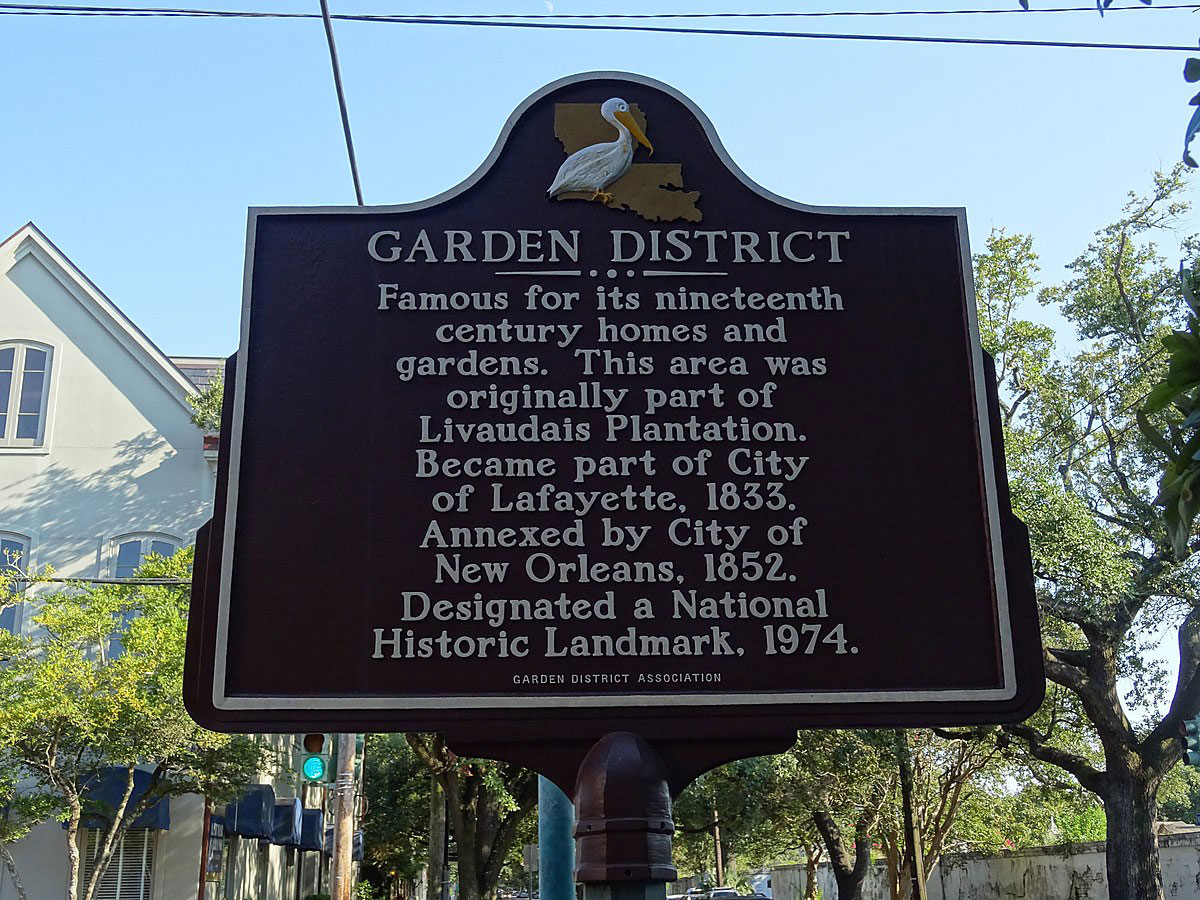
(177, 857)
(1070, 872)
(41, 862)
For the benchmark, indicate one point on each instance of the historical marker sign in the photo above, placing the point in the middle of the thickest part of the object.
(602, 436)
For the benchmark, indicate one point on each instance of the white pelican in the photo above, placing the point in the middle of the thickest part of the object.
(596, 167)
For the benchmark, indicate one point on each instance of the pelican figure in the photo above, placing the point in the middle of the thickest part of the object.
(596, 167)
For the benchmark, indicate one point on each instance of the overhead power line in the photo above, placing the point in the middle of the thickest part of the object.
(36, 9)
(39, 579)
(151, 11)
(1118, 382)
(1108, 421)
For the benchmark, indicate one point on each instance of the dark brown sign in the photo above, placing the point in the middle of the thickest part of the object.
(605, 438)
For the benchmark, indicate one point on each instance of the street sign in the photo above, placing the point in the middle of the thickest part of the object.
(610, 438)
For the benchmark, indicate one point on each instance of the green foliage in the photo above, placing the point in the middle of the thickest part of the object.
(206, 405)
(486, 803)
(1179, 795)
(758, 824)
(1113, 578)
(1176, 400)
(513, 876)
(1191, 73)
(1014, 808)
(99, 683)
(396, 825)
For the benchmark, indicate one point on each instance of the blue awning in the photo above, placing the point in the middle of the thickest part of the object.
(312, 827)
(254, 814)
(285, 830)
(356, 851)
(102, 795)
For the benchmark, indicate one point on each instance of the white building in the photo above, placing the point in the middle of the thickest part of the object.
(99, 466)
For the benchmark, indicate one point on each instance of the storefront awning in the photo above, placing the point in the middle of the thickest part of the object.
(253, 815)
(312, 827)
(102, 795)
(285, 830)
(356, 851)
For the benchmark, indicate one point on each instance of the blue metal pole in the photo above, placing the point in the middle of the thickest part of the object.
(556, 842)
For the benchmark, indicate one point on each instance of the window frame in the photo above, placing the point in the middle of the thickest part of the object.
(145, 538)
(39, 443)
(26, 541)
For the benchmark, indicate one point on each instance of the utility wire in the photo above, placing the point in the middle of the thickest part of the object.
(1101, 424)
(74, 9)
(1037, 441)
(30, 9)
(341, 98)
(35, 579)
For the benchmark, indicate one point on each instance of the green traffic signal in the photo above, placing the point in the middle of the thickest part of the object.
(1191, 742)
(314, 768)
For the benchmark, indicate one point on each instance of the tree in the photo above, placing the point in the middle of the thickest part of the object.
(944, 770)
(396, 823)
(1048, 808)
(97, 685)
(23, 808)
(206, 405)
(1081, 473)
(736, 801)
(485, 804)
(844, 778)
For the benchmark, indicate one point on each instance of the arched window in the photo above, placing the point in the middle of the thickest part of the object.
(24, 393)
(130, 550)
(14, 557)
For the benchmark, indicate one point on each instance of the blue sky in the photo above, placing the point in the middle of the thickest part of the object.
(137, 144)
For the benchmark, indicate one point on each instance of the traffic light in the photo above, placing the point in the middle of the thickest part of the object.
(1191, 742)
(314, 763)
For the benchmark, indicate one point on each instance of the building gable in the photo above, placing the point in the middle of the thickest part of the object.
(29, 242)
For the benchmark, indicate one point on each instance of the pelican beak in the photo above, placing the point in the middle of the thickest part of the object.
(628, 121)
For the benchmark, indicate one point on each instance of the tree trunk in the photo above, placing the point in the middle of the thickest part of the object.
(437, 840)
(11, 865)
(849, 870)
(116, 831)
(812, 856)
(460, 810)
(849, 883)
(72, 837)
(1131, 851)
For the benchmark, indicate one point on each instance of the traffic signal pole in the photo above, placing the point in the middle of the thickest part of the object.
(342, 879)
(556, 843)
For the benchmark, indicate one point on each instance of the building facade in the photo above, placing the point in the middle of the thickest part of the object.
(100, 466)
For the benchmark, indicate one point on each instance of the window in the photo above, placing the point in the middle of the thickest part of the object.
(130, 874)
(24, 391)
(14, 550)
(128, 554)
(130, 550)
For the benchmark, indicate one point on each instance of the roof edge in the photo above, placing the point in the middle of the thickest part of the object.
(29, 239)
